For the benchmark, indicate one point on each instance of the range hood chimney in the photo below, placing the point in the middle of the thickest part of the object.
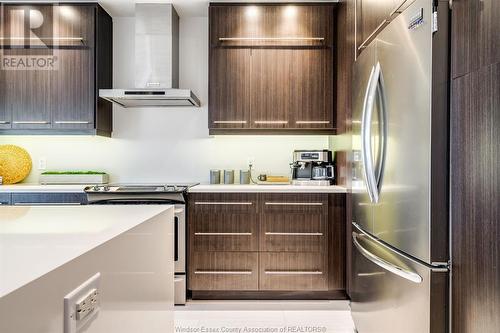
(156, 62)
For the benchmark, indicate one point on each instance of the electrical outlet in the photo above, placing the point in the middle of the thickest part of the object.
(42, 163)
(82, 305)
(250, 160)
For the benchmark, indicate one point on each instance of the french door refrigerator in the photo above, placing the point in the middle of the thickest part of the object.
(399, 277)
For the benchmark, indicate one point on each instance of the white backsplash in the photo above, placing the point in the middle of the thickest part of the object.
(154, 145)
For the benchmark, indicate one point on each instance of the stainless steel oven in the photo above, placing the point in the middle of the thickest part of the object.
(150, 195)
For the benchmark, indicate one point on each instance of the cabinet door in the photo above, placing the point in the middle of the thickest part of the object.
(52, 199)
(73, 84)
(49, 80)
(4, 199)
(312, 89)
(293, 271)
(229, 88)
(474, 37)
(270, 87)
(224, 271)
(371, 14)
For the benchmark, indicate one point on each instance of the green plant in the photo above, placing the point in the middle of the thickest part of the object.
(73, 173)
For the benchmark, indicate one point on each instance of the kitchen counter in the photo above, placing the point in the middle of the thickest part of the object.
(36, 240)
(28, 187)
(238, 188)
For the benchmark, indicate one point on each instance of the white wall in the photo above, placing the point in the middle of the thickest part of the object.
(155, 145)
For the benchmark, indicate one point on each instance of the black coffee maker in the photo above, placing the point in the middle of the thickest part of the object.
(312, 167)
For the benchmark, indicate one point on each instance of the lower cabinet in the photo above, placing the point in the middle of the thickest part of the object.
(45, 199)
(266, 244)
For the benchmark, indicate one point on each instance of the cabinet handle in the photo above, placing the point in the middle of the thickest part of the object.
(223, 203)
(223, 272)
(229, 121)
(223, 234)
(312, 122)
(294, 204)
(38, 122)
(293, 272)
(4, 122)
(72, 122)
(47, 204)
(294, 233)
(271, 122)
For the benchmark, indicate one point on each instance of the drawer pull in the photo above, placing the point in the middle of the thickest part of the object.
(223, 203)
(224, 272)
(223, 234)
(35, 122)
(271, 122)
(294, 204)
(294, 233)
(47, 203)
(72, 122)
(4, 122)
(312, 122)
(294, 272)
(229, 121)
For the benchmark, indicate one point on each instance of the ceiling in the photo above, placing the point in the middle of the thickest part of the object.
(185, 8)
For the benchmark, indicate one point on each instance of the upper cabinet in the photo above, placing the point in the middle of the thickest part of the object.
(272, 68)
(54, 60)
(371, 18)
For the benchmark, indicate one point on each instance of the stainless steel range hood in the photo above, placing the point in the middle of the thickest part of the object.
(156, 62)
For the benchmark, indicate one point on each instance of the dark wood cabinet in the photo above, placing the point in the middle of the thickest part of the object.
(244, 245)
(474, 37)
(272, 68)
(372, 16)
(475, 217)
(50, 80)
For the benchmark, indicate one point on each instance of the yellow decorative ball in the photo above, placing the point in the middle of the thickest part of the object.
(15, 164)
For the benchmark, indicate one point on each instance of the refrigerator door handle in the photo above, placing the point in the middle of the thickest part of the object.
(366, 155)
(382, 151)
(399, 271)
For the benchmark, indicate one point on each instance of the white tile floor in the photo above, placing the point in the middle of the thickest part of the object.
(264, 317)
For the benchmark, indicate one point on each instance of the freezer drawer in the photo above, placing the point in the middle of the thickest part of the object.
(392, 293)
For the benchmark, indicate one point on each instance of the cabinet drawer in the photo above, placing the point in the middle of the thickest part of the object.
(294, 203)
(224, 271)
(39, 199)
(4, 198)
(293, 271)
(224, 202)
(295, 232)
(224, 232)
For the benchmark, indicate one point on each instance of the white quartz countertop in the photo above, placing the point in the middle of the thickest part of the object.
(26, 187)
(237, 188)
(37, 240)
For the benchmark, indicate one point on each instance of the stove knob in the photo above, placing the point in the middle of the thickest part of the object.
(105, 188)
(96, 188)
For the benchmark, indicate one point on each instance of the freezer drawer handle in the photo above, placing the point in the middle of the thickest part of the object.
(401, 272)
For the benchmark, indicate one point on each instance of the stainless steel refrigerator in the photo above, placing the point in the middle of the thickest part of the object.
(399, 275)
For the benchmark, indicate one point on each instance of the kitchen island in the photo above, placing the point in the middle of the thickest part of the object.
(124, 254)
